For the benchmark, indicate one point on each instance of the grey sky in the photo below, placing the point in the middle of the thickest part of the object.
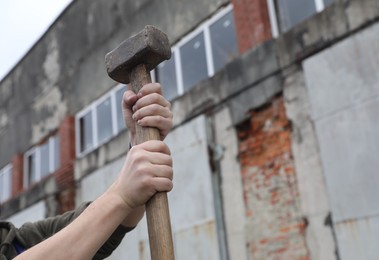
(22, 23)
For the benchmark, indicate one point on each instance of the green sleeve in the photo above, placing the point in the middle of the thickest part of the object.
(31, 234)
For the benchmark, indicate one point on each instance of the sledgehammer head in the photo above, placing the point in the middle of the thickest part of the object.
(149, 47)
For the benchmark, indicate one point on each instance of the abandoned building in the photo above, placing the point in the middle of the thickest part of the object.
(276, 124)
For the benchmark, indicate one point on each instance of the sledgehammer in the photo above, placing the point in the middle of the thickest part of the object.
(131, 62)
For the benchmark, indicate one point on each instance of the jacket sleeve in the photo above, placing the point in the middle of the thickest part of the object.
(31, 234)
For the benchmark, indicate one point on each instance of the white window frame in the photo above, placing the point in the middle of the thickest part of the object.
(92, 108)
(203, 28)
(6, 170)
(37, 151)
(274, 21)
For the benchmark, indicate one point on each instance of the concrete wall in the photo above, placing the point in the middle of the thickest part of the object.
(191, 201)
(30, 214)
(62, 75)
(323, 71)
(343, 87)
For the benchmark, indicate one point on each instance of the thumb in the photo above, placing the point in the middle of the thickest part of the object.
(128, 100)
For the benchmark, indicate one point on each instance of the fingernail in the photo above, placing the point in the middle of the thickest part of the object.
(134, 108)
(139, 122)
(134, 116)
(139, 95)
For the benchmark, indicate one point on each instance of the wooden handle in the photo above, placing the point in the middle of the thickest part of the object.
(157, 211)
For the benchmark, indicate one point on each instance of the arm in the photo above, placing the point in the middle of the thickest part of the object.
(147, 170)
(146, 108)
(31, 234)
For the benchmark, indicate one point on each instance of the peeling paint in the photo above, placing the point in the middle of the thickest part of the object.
(50, 110)
(51, 66)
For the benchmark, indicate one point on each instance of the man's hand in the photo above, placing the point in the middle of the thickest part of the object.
(147, 170)
(147, 108)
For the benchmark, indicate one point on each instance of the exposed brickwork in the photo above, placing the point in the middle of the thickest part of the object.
(17, 174)
(65, 174)
(66, 200)
(275, 229)
(252, 23)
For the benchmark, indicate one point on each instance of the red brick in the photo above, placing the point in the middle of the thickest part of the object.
(17, 174)
(65, 174)
(252, 23)
(270, 189)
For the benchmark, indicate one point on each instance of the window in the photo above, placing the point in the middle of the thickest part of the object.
(285, 14)
(5, 183)
(86, 135)
(104, 120)
(167, 78)
(224, 42)
(194, 63)
(199, 55)
(30, 168)
(120, 115)
(41, 160)
(100, 121)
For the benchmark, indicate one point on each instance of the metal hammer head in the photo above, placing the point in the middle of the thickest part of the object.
(149, 47)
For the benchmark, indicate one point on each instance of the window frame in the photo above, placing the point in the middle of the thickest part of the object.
(92, 108)
(53, 165)
(7, 169)
(274, 17)
(202, 28)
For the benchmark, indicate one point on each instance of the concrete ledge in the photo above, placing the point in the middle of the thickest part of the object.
(39, 191)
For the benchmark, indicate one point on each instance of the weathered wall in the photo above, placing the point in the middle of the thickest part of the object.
(191, 201)
(313, 196)
(270, 186)
(342, 82)
(64, 74)
(61, 74)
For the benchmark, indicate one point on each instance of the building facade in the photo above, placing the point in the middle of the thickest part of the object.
(275, 139)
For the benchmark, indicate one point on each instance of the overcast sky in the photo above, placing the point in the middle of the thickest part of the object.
(22, 23)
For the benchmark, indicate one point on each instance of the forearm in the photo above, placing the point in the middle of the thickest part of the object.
(90, 230)
(134, 217)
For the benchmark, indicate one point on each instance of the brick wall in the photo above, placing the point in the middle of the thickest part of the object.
(252, 23)
(17, 174)
(65, 173)
(275, 229)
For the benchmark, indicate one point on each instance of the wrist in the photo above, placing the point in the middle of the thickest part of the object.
(114, 196)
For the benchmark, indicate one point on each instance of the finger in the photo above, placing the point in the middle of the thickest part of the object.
(128, 100)
(153, 146)
(162, 184)
(157, 158)
(153, 98)
(152, 110)
(155, 121)
(162, 171)
(149, 89)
